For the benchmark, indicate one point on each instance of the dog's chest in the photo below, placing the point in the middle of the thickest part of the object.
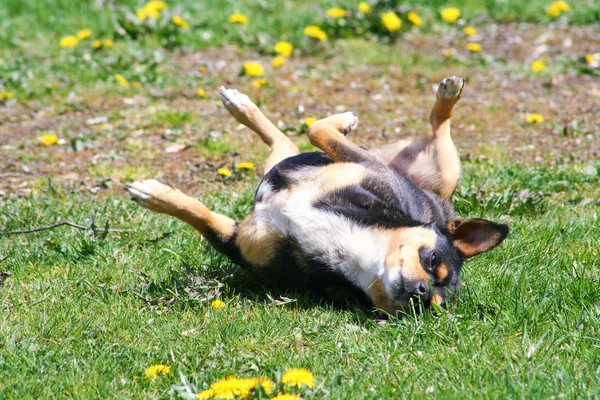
(326, 237)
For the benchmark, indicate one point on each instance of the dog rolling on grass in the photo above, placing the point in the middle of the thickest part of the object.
(376, 225)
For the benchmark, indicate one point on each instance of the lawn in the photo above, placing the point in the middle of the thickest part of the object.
(83, 314)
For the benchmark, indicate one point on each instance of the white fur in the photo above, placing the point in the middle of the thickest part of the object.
(357, 252)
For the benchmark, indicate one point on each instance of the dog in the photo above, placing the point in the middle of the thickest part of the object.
(347, 222)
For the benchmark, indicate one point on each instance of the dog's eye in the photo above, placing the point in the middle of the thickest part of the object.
(434, 261)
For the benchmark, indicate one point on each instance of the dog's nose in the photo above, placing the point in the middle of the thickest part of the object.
(421, 289)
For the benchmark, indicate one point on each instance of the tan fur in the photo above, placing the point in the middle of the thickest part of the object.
(380, 297)
(403, 252)
(256, 241)
(442, 272)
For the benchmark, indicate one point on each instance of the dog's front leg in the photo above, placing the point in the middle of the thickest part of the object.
(329, 135)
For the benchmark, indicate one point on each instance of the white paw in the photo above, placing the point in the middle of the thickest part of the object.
(235, 101)
(450, 87)
(350, 120)
(149, 193)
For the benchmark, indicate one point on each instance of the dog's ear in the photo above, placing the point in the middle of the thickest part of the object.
(476, 236)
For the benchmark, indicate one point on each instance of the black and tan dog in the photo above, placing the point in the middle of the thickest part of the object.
(346, 221)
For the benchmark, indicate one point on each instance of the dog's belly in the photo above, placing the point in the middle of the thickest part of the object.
(311, 247)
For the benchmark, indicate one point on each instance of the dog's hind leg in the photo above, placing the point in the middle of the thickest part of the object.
(431, 162)
(218, 229)
(329, 135)
(247, 113)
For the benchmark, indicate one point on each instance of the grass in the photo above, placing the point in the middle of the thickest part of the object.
(83, 316)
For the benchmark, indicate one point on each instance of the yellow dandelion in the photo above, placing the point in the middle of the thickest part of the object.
(136, 84)
(156, 5)
(534, 118)
(107, 43)
(154, 371)
(238, 18)
(538, 66)
(450, 14)
(336, 12)
(84, 34)
(245, 165)
(205, 394)
(283, 48)
(414, 18)
(252, 68)
(97, 44)
(224, 172)
(391, 21)
(309, 121)
(590, 58)
(296, 377)
(474, 47)
(220, 303)
(258, 83)
(232, 387)
(142, 14)
(470, 31)
(6, 95)
(122, 80)
(448, 53)
(285, 396)
(364, 7)
(555, 9)
(278, 61)
(315, 32)
(69, 41)
(180, 22)
(48, 140)
(202, 93)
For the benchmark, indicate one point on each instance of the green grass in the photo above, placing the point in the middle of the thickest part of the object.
(83, 316)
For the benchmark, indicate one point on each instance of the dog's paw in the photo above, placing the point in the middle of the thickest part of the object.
(235, 101)
(345, 122)
(152, 194)
(450, 88)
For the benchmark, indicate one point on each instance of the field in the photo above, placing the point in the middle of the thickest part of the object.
(84, 312)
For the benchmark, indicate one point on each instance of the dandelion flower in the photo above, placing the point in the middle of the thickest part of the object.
(245, 165)
(364, 7)
(156, 5)
(48, 140)
(450, 14)
(391, 21)
(258, 83)
(474, 47)
(151, 10)
(205, 394)
(534, 118)
(448, 53)
(538, 66)
(315, 32)
(154, 371)
(69, 41)
(97, 44)
(284, 48)
(309, 121)
(555, 9)
(142, 14)
(84, 34)
(336, 12)
(202, 93)
(238, 19)
(414, 18)
(223, 172)
(122, 80)
(278, 61)
(470, 31)
(180, 22)
(107, 43)
(252, 68)
(136, 84)
(286, 396)
(296, 377)
(6, 95)
(220, 303)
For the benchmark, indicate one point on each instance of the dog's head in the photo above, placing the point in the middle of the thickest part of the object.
(424, 263)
